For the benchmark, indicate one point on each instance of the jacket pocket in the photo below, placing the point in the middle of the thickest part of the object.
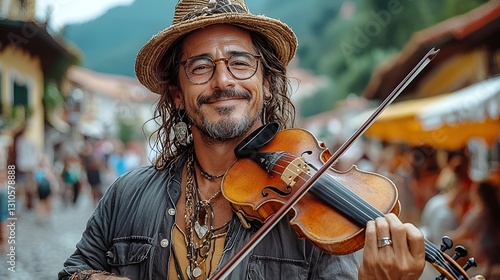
(265, 267)
(129, 250)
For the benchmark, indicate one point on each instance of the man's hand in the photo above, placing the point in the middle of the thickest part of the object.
(404, 258)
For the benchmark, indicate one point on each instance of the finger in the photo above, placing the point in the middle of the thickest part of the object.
(398, 234)
(371, 258)
(416, 242)
(383, 230)
(408, 245)
(370, 238)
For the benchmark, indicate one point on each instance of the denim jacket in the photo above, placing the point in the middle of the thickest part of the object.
(130, 234)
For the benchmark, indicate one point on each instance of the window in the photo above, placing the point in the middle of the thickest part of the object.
(20, 95)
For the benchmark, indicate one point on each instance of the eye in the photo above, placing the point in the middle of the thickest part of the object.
(199, 66)
(243, 61)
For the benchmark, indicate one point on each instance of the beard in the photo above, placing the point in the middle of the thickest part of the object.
(226, 128)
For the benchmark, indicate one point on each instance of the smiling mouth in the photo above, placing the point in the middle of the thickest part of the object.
(223, 96)
(225, 100)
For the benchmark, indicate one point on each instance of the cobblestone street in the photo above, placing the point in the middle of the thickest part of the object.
(42, 248)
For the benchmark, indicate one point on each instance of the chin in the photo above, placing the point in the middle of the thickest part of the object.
(228, 128)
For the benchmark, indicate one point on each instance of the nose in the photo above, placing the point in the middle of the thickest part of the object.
(222, 78)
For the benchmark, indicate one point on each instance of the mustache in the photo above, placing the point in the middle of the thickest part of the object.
(219, 94)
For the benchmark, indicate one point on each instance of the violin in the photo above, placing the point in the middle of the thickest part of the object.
(289, 172)
(333, 213)
(260, 181)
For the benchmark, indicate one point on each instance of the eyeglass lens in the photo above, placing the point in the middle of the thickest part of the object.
(200, 70)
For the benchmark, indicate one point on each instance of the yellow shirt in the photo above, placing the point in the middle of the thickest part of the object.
(180, 247)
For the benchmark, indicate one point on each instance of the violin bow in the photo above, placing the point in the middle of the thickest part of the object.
(225, 270)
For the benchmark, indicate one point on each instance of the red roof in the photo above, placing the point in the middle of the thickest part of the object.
(114, 86)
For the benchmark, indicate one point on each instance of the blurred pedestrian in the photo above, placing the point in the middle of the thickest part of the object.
(442, 213)
(132, 156)
(93, 162)
(71, 176)
(424, 174)
(27, 156)
(480, 229)
(46, 183)
(452, 172)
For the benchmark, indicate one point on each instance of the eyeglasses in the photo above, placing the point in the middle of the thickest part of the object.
(200, 69)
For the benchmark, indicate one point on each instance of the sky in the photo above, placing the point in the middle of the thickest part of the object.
(75, 11)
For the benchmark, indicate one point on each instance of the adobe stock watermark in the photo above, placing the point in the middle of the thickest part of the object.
(12, 218)
(363, 35)
(28, 32)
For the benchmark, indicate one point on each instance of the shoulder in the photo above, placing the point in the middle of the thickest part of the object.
(138, 174)
(148, 179)
(140, 178)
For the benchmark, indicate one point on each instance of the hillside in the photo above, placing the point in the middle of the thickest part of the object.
(110, 43)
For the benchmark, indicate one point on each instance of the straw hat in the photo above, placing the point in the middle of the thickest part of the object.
(190, 15)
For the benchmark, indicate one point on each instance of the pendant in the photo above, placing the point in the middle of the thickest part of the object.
(181, 132)
(196, 272)
(201, 231)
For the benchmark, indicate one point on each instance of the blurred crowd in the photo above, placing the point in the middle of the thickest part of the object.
(72, 170)
(438, 193)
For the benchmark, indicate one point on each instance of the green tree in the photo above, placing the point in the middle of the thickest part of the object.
(349, 49)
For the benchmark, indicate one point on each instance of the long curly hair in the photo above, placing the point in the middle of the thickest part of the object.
(279, 108)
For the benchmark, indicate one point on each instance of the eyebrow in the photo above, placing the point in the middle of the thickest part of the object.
(229, 54)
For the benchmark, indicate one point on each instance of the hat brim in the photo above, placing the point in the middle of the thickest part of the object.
(150, 55)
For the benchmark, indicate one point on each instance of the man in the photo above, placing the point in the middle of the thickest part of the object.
(220, 72)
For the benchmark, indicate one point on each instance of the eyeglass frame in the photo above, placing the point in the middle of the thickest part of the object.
(214, 63)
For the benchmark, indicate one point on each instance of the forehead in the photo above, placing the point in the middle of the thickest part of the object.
(217, 39)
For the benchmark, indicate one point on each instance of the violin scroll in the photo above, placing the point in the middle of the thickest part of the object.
(448, 266)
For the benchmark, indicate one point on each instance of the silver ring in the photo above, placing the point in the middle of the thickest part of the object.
(384, 241)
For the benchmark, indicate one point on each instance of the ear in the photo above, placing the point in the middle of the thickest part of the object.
(266, 86)
(177, 97)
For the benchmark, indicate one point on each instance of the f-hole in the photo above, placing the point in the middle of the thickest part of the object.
(286, 192)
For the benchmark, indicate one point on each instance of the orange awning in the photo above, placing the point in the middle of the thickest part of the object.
(446, 121)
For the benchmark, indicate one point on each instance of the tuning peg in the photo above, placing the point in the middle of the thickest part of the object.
(470, 263)
(460, 252)
(447, 243)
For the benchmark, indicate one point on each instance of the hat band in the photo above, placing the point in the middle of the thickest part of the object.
(219, 7)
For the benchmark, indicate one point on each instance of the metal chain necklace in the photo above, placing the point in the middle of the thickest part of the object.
(200, 233)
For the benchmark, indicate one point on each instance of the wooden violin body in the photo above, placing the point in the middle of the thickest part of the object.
(259, 194)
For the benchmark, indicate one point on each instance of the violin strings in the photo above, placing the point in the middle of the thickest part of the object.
(356, 198)
(370, 212)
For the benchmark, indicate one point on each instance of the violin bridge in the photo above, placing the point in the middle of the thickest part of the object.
(294, 170)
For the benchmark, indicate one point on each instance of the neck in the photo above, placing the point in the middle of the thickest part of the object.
(216, 158)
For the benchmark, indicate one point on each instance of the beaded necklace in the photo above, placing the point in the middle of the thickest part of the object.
(200, 233)
(205, 174)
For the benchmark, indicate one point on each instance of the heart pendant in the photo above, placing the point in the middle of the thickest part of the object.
(201, 231)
